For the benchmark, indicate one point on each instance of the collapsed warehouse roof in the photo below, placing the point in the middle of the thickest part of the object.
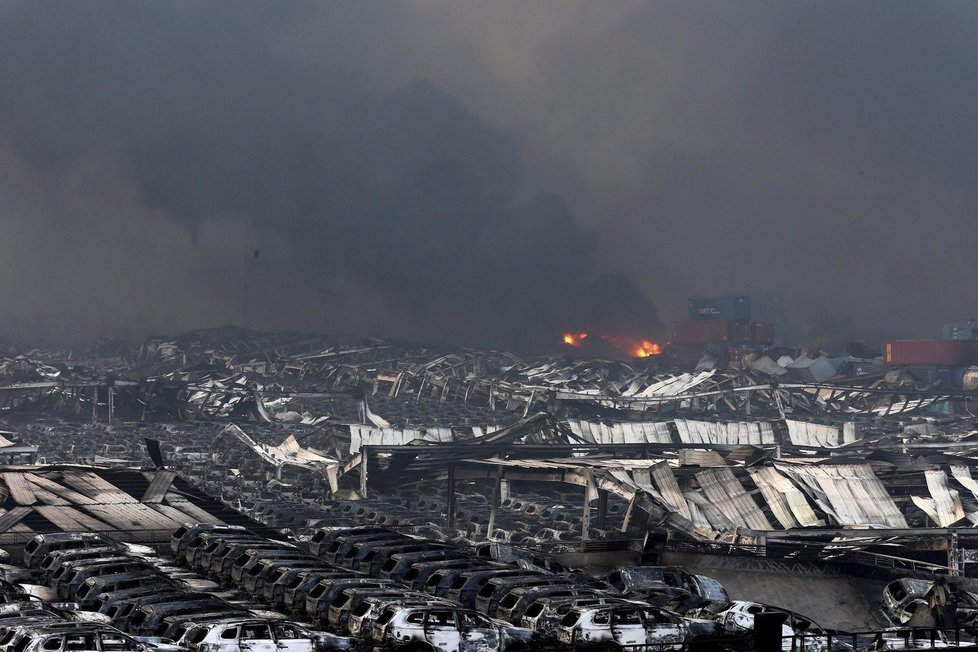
(120, 504)
(773, 449)
(750, 483)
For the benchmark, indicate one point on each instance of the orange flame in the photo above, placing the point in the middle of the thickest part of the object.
(646, 348)
(634, 348)
(574, 339)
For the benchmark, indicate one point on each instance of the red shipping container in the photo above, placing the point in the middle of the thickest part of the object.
(763, 332)
(740, 332)
(699, 332)
(928, 352)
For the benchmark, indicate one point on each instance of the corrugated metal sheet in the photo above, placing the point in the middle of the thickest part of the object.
(669, 487)
(9, 519)
(49, 497)
(288, 452)
(899, 407)
(692, 457)
(159, 486)
(775, 499)
(96, 488)
(768, 480)
(647, 432)
(802, 433)
(171, 513)
(20, 489)
(707, 514)
(947, 502)
(724, 490)
(371, 436)
(50, 486)
(666, 489)
(673, 385)
(851, 493)
(132, 516)
(194, 514)
(928, 506)
(735, 433)
(72, 520)
(963, 475)
(696, 514)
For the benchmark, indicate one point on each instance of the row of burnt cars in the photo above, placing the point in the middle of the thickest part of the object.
(387, 590)
(364, 588)
(127, 598)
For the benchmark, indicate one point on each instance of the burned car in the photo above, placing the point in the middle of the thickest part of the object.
(56, 558)
(623, 626)
(797, 631)
(188, 532)
(43, 544)
(665, 585)
(365, 614)
(45, 636)
(901, 597)
(445, 629)
(544, 615)
(256, 635)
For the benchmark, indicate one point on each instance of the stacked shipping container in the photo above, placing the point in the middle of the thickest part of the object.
(723, 320)
(727, 307)
(732, 332)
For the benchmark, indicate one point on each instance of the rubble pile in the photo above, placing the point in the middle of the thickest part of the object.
(309, 380)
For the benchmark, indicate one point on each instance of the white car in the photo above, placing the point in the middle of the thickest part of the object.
(623, 625)
(797, 631)
(445, 629)
(252, 635)
(44, 636)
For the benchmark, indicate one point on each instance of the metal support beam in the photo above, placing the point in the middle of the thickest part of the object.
(954, 555)
(629, 514)
(590, 491)
(363, 471)
(494, 501)
(602, 520)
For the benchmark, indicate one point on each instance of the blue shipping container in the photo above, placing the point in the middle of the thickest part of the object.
(730, 307)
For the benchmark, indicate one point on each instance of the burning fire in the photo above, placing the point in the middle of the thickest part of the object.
(636, 349)
(646, 348)
(574, 339)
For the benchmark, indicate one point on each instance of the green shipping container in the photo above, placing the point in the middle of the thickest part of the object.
(957, 332)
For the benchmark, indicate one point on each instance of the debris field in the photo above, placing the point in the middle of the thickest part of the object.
(229, 489)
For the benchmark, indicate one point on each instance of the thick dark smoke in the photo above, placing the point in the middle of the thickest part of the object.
(386, 162)
(406, 194)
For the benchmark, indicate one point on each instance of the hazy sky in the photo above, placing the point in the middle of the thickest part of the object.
(485, 172)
